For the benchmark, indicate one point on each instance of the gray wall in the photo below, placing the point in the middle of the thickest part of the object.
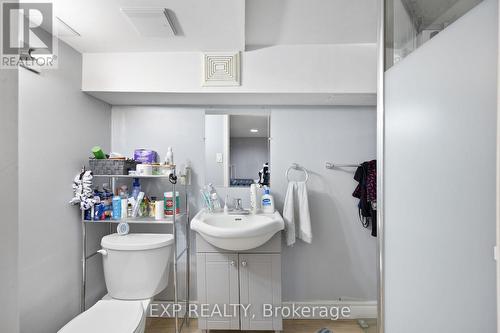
(8, 201)
(341, 262)
(247, 156)
(440, 189)
(158, 128)
(58, 124)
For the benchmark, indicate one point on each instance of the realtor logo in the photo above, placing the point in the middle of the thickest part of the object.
(28, 37)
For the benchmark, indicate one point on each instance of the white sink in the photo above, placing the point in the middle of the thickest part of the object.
(237, 232)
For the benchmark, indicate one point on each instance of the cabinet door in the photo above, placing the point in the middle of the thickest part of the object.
(218, 287)
(260, 284)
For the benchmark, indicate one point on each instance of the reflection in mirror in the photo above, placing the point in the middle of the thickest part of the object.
(237, 149)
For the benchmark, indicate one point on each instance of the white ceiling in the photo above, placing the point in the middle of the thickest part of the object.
(215, 25)
(219, 25)
(240, 126)
(275, 22)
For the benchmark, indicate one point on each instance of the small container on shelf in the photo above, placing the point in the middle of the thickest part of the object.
(168, 199)
(159, 211)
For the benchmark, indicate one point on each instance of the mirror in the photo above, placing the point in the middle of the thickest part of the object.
(237, 149)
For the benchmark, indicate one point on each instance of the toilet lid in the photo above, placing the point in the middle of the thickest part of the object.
(134, 242)
(105, 316)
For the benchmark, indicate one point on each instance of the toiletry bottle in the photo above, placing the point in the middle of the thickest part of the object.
(214, 197)
(267, 202)
(117, 207)
(253, 198)
(129, 210)
(124, 208)
(137, 206)
(123, 192)
(226, 207)
(152, 207)
(185, 174)
(187, 171)
(169, 159)
(136, 188)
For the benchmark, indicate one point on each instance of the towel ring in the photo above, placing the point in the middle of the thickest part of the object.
(295, 166)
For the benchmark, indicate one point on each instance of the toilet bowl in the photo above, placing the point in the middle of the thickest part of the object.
(135, 269)
(110, 316)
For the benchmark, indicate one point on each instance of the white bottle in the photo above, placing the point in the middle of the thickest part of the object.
(267, 202)
(226, 207)
(253, 198)
(169, 159)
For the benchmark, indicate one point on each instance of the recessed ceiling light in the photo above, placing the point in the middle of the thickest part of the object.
(254, 130)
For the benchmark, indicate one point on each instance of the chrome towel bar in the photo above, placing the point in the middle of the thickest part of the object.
(295, 166)
(330, 165)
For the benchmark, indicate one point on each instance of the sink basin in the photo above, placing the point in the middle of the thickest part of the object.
(237, 232)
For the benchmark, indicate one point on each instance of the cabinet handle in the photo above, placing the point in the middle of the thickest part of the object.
(232, 263)
(244, 263)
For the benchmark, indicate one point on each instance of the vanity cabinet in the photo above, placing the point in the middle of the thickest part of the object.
(218, 285)
(250, 277)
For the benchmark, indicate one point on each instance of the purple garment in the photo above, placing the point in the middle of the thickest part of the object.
(371, 181)
(366, 175)
(366, 192)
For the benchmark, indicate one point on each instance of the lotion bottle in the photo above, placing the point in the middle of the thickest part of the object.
(253, 198)
(169, 159)
(267, 202)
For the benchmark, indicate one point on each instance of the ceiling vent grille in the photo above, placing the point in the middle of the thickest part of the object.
(152, 22)
(221, 69)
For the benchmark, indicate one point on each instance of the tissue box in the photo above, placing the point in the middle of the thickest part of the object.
(145, 156)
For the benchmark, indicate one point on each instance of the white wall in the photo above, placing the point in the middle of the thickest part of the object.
(333, 69)
(342, 134)
(8, 201)
(58, 125)
(440, 191)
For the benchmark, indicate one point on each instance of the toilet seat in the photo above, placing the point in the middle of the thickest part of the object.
(109, 316)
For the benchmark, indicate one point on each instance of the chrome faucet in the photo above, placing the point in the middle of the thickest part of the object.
(237, 205)
(238, 208)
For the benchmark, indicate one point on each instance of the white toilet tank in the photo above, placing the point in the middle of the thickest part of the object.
(136, 266)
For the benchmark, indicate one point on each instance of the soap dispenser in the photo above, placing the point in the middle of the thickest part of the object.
(267, 202)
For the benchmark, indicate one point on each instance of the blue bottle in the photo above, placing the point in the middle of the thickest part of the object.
(136, 188)
(117, 207)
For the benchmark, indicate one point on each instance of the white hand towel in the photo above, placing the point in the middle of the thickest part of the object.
(296, 213)
(289, 214)
(304, 217)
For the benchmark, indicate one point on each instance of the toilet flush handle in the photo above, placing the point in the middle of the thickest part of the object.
(103, 252)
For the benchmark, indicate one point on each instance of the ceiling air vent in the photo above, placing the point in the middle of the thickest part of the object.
(152, 22)
(221, 69)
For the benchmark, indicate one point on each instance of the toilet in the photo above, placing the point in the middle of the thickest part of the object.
(136, 268)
